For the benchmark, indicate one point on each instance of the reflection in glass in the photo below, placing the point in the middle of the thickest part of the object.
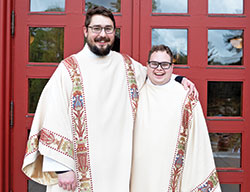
(35, 187)
(168, 6)
(112, 5)
(46, 44)
(35, 89)
(224, 98)
(226, 149)
(176, 39)
(225, 47)
(116, 46)
(225, 6)
(47, 5)
(230, 187)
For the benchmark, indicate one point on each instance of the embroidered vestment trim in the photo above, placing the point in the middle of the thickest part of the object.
(79, 127)
(209, 184)
(180, 151)
(131, 82)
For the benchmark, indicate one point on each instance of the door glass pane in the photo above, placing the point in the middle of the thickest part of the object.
(225, 6)
(225, 47)
(176, 39)
(224, 98)
(168, 6)
(112, 5)
(116, 46)
(46, 44)
(47, 5)
(226, 149)
(35, 187)
(230, 187)
(35, 89)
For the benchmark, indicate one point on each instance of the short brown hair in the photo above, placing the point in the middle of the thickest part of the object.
(161, 47)
(98, 10)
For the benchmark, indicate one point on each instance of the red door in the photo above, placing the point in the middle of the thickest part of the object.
(210, 47)
(210, 43)
(45, 33)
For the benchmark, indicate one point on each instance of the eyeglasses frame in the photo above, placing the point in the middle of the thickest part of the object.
(102, 28)
(159, 63)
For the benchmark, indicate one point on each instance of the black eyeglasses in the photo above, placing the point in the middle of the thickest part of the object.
(155, 64)
(98, 29)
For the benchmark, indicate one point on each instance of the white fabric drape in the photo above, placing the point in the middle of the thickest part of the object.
(157, 131)
(109, 118)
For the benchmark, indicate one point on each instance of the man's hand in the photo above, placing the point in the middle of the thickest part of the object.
(189, 85)
(67, 181)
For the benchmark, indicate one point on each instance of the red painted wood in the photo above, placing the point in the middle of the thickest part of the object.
(5, 85)
(135, 22)
(136, 30)
(2, 88)
(197, 21)
(73, 21)
(246, 93)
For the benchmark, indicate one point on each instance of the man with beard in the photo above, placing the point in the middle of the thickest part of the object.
(81, 136)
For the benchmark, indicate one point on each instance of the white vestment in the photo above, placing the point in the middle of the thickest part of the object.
(172, 150)
(109, 121)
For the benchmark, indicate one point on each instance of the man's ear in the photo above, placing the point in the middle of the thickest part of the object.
(85, 31)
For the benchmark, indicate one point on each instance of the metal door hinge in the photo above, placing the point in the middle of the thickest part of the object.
(11, 114)
(13, 23)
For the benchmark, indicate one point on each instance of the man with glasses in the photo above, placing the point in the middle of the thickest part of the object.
(172, 150)
(82, 132)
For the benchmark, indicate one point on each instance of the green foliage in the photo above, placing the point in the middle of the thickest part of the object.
(55, 9)
(181, 58)
(46, 44)
(89, 5)
(224, 98)
(114, 6)
(154, 6)
(35, 89)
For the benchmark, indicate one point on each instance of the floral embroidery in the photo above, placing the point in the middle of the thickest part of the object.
(209, 184)
(180, 153)
(132, 86)
(32, 145)
(56, 142)
(51, 140)
(79, 127)
(79, 119)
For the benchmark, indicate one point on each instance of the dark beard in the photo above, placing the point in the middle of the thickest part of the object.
(100, 51)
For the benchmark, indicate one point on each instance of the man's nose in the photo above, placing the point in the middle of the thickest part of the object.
(102, 33)
(159, 67)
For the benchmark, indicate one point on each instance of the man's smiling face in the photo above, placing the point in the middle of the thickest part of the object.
(160, 76)
(100, 43)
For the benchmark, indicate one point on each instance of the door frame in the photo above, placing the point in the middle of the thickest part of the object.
(73, 21)
(197, 22)
(5, 92)
(138, 51)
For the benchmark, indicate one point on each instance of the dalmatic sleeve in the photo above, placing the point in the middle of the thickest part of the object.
(199, 172)
(51, 133)
(52, 165)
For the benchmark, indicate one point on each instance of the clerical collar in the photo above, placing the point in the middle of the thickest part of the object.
(150, 82)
